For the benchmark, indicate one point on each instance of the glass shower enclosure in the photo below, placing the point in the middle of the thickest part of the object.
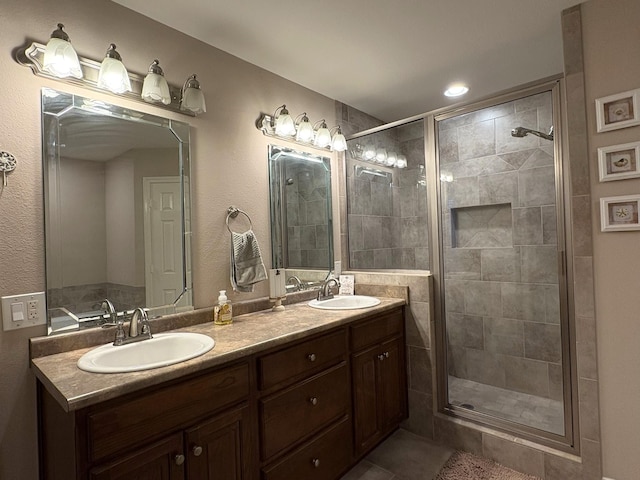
(504, 329)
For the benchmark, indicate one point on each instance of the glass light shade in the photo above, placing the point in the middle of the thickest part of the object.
(155, 89)
(114, 76)
(369, 152)
(381, 155)
(401, 162)
(391, 160)
(284, 125)
(338, 142)
(305, 130)
(61, 60)
(193, 100)
(192, 96)
(323, 136)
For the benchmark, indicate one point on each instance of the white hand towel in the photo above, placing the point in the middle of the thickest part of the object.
(247, 267)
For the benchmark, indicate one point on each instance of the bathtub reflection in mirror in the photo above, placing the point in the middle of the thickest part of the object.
(116, 198)
(301, 216)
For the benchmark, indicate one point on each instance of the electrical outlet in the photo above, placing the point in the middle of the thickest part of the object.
(20, 311)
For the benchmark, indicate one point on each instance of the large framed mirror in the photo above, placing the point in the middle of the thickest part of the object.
(117, 211)
(301, 215)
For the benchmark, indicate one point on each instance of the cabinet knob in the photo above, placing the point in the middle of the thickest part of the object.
(381, 357)
(179, 459)
(386, 354)
(315, 462)
(197, 450)
(313, 400)
(312, 357)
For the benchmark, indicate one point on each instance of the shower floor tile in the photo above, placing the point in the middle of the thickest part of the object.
(531, 410)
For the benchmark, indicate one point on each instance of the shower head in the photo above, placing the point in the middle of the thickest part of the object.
(522, 132)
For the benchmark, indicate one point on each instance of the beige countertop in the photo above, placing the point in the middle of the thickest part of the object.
(249, 334)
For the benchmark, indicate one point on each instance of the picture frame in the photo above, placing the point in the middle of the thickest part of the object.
(620, 213)
(618, 111)
(619, 162)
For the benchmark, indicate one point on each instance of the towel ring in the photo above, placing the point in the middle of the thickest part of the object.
(232, 212)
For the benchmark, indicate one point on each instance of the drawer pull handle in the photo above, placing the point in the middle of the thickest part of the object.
(179, 459)
(313, 400)
(315, 462)
(312, 357)
(197, 450)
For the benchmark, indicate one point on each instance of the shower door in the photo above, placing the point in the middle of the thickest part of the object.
(504, 335)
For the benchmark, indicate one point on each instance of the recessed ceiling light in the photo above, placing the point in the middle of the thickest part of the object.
(456, 90)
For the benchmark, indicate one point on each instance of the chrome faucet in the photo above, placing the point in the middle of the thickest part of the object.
(108, 307)
(294, 283)
(139, 328)
(325, 290)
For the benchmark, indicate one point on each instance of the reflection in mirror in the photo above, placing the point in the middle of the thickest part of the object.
(301, 217)
(116, 195)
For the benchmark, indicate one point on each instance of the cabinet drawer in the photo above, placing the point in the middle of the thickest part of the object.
(326, 457)
(137, 420)
(298, 411)
(302, 359)
(377, 329)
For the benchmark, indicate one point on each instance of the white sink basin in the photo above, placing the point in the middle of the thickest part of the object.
(161, 350)
(345, 302)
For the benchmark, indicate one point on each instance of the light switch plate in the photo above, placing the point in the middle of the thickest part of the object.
(32, 307)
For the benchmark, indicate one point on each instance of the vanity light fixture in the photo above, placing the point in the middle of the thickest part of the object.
(58, 61)
(60, 58)
(155, 87)
(113, 75)
(192, 98)
(381, 155)
(301, 131)
(456, 90)
(323, 135)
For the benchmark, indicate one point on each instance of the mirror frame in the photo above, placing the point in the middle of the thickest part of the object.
(54, 104)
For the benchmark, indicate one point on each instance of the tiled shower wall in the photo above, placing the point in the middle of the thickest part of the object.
(500, 248)
(388, 215)
(307, 222)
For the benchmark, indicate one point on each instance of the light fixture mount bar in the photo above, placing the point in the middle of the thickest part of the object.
(32, 56)
(265, 123)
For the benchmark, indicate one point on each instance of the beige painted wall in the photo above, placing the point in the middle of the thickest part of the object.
(611, 39)
(229, 166)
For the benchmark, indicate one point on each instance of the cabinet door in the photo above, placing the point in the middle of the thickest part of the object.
(392, 384)
(161, 460)
(220, 448)
(365, 398)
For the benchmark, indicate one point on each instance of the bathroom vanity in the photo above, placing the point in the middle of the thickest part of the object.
(296, 394)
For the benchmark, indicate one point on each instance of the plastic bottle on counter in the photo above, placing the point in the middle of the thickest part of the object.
(223, 311)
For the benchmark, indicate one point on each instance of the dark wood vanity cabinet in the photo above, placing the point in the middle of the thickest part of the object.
(200, 428)
(308, 409)
(379, 379)
(305, 409)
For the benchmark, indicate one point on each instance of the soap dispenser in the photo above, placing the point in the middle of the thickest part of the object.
(222, 312)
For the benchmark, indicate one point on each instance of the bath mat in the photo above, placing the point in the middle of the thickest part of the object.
(465, 466)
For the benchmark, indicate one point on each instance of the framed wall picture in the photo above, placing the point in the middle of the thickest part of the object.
(618, 111)
(619, 213)
(618, 162)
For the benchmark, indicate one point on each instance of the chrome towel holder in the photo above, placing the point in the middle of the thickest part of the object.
(232, 212)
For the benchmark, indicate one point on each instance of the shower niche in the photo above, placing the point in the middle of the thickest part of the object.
(482, 226)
